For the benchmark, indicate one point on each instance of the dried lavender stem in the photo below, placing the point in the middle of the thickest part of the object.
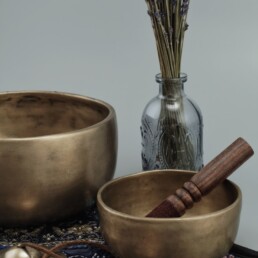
(169, 22)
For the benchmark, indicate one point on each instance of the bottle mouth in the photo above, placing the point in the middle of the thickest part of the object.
(182, 78)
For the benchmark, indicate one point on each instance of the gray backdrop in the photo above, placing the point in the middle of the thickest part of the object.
(106, 49)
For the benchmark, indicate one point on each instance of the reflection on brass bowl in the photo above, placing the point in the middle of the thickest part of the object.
(56, 150)
(207, 230)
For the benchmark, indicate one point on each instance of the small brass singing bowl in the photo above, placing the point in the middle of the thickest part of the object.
(56, 150)
(207, 230)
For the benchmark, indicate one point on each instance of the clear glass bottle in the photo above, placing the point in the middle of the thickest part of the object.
(172, 129)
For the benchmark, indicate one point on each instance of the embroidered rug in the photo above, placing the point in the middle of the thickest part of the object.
(85, 226)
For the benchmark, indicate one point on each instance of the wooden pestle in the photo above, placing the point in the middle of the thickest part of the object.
(204, 181)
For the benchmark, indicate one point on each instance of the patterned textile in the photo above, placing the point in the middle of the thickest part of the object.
(85, 226)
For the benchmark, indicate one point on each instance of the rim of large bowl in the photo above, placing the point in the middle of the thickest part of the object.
(161, 220)
(110, 115)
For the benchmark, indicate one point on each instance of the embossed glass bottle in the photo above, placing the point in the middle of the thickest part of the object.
(172, 129)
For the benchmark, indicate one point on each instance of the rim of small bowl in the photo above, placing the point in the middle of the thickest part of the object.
(146, 219)
(111, 114)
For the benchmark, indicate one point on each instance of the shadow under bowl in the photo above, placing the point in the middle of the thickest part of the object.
(56, 149)
(207, 230)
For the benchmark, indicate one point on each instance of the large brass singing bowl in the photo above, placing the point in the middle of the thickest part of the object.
(56, 150)
(207, 230)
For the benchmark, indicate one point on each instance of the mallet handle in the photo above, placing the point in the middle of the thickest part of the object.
(215, 172)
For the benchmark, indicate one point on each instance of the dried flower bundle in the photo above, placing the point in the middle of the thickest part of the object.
(177, 139)
(169, 24)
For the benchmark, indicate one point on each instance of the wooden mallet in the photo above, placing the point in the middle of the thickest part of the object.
(204, 181)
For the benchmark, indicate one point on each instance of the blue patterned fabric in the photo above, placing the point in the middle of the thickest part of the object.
(84, 226)
(85, 252)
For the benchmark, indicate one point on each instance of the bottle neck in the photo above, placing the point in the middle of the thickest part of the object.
(171, 88)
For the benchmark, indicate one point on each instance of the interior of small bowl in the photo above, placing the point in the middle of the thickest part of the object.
(137, 194)
(38, 114)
